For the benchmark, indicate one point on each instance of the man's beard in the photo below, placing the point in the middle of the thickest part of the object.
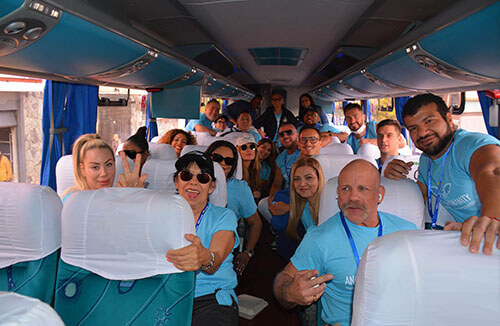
(441, 145)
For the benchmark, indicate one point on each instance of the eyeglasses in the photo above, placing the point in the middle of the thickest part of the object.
(219, 158)
(251, 147)
(286, 132)
(276, 99)
(131, 153)
(186, 176)
(312, 140)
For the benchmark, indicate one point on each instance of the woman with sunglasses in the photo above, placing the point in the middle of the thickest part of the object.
(267, 158)
(309, 141)
(251, 165)
(137, 144)
(210, 253)
(178, 138)
(94, 166)
(239, 198)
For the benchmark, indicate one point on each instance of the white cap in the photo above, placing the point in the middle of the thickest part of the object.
(245, 139)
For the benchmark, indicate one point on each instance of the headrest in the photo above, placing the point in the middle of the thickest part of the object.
(426, 277)
(369, 150)
(233, 137)
(335, 140)
(337, 149)
(204, 138)
(155, 139)
(402, 198)
(333, 164)
(161, 177)
(64, 174)
(162, 151)
(413, 174)
(124, 233)
(190, 148)
(16, 309)
(30, 222)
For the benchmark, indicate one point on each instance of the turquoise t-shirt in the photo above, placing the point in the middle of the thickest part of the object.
(240, 198)
(327, 128)
(318, 251)
(202, 121)
(276, 134)
(370, 133)
(255, 135)
(285, 162)
(265, 171)
(217, 219)
(458, 191)
(306, 217)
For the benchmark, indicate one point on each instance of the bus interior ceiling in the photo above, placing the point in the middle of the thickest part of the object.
(337, 50)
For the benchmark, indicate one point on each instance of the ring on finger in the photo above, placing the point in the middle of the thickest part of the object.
(315, 298)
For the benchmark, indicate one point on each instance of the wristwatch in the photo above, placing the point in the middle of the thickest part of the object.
(250, 252)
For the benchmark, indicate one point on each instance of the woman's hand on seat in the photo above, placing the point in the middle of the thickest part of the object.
(191, 257)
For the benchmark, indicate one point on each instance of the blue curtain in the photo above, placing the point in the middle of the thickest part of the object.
(365, 104)
(151, 121)
(399, 102)
(333, 113)
(69, 110)
(344, 103)
(486, 102)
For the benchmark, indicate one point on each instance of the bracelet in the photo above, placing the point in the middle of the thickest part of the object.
(210, 265)
(494, 218)
(249, 252)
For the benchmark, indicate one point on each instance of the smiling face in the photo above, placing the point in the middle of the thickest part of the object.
(244, 122)
(224, 152)
(388, 140)
(277, 101)
(305, 102)
(247, 151)
(429, 131)
(98, 168)
(264, 150)
(359, 193)
(179, 142)
(309, 143)
(354, 118)
(311, 117)
(288, 136)
(305, 182)
(193, 191)
(212, 111)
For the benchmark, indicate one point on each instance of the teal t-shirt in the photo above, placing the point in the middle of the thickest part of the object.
(327, 128)
(202, 121)
(240, 198)
(318, 251)
(255, 135)
(285, 162)
(370, 133)
(265, 171)
(306, 218)
(217, 219)
(458, 190)
(276, 134)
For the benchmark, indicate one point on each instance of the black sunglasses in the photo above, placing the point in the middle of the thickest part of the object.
(131, 153)
(251, 146)
(219, 158)
(286, 132)
(203, 178)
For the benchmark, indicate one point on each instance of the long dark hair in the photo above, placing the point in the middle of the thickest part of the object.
(139, 139)
(224, 143)
(271, 161)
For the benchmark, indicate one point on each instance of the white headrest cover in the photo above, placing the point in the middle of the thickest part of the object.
(161, 177)
(30, 222)
(402, 198)
(369, 150)
(335, 140)
(190, 148)
(162, 151)
(233, 136)
(337, 149)
(204, 138)
(426, 278)
(124, 233)
(413, 174)
(20, 310)
(64, 174)
(333, 164)
(155, 139)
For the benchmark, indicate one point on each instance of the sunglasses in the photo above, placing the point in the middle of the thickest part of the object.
(312, 140)
(245, 147)
(131, 153)
(186, 176)
(219, 158)
(286, 132)
(275, 99)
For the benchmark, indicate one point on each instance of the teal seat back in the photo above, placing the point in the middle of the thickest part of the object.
(31, 278)
(84, 298)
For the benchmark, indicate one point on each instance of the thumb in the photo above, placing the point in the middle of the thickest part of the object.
(192, 238)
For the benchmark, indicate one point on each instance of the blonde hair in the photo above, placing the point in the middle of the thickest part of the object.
(251, 174)
(298, 203)
(82, 145)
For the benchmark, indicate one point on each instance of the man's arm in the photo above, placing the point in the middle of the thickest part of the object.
(484, 169)
(363, 141)
(202, 128)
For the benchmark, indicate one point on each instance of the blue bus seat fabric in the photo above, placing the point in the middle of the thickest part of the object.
(16, 309)
(402, 198)
(113, 268)
(425, 277)
(30, 236)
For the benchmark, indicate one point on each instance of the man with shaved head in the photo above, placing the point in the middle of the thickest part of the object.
(325, 263)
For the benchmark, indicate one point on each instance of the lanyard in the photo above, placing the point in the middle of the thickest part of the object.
(201, 217)
(351, 239)
(434, 214)
(288, 171)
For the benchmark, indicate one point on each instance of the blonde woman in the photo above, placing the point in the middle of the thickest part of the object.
(251, 165)
(307, 183)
